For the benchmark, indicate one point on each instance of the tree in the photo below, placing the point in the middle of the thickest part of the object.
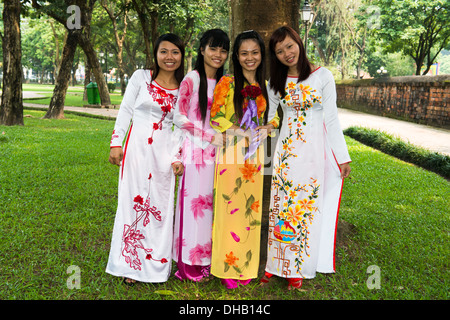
(148, 16)
(263, 16)
(76, 23)
(358, 25)
(419, 28)
(11, 108)
(114, 11)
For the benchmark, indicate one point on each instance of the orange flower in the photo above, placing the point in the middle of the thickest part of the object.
(261, 105)
(255, 206)
(214, 109)
(248, 171)
(306, 204)
(295, 215)
(231, 259)
(220, 93)
(305, 90)
(291, 85)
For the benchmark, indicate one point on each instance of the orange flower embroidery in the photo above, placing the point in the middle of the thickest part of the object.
(221, 90)
(261, 105)
(231, 259)
(306, 204)
(248, 171)
(220, 93)
(304, 90)
(214, 109)
(294, 215)
(255, 206)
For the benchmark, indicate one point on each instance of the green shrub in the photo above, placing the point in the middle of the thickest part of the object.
(433, 161)
(111, 87)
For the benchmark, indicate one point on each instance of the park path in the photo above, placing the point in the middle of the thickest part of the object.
(431, 138)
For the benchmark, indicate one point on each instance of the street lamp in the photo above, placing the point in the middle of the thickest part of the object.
(382, 71)
(105, 61)
(307, 17)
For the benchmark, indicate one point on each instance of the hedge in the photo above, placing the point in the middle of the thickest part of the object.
(433, 161)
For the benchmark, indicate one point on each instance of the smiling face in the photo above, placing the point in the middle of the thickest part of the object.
(214, 57)
(249, 55)
(288, 52)
(168, 56)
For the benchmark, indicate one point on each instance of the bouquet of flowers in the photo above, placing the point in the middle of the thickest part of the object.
(251, 93)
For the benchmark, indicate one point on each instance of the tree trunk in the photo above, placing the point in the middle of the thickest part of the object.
(86, 45)
(142, 10)
(119, 40)
(11, 108)
(56, 107)
(87, 77)
(264, 16)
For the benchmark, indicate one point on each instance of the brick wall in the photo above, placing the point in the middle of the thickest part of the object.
(421, 99)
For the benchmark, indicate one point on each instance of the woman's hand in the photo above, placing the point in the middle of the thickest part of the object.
(116, 156)
(263, 131)
(345, 170)
(177, 168)
(219, 139)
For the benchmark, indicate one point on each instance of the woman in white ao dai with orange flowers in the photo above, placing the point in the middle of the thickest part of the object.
(310, 162)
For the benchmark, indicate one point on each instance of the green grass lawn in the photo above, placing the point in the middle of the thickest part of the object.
(74, 96)
(58, 196)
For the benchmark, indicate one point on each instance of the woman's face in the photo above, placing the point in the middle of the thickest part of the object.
(249, 55)
(214, 57)
(287, 51)
(168, 56)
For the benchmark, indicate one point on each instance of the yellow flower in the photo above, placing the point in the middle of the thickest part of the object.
(292, 194)
(294, 215)
(304, 90)
(291, 85)
(306, 204)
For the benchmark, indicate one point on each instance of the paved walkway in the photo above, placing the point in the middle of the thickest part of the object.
(434, 139)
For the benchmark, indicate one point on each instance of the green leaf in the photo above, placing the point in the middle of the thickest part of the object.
(238, 182)
(226, 267)
(250, 201)
(255, 223)
(226, 197)
(248, 255)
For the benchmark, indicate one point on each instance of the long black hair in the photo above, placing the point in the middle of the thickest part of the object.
(278, 71)
(176, 40)
(215, 38)
(239, 79)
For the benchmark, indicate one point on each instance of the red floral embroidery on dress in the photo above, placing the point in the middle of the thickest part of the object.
(132, 236)
(114, 136)
(165, 100)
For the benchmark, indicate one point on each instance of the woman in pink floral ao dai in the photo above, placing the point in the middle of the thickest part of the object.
(194, 212)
